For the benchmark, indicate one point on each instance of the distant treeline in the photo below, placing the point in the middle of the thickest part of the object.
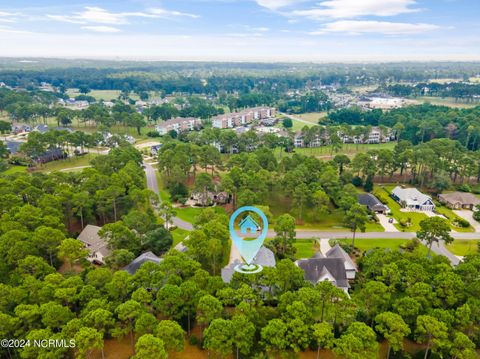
(457, 90)
(419, 123)
(211, 78)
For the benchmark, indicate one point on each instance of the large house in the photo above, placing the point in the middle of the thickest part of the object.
(264, 257)
(413, 199)
(372, 203)
(96, 246)
(319, 269)
(235, 119)
(335, 266)
(459, 200)
(179, 124)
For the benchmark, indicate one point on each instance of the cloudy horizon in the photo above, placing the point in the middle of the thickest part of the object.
(233, 30)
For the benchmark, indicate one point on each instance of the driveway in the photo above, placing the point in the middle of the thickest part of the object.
(468, 215)
(389, 227)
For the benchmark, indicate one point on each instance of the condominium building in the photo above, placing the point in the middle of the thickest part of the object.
(241, 118)
(179, 124)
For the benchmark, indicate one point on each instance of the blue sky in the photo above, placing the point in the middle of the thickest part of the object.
(243, 30)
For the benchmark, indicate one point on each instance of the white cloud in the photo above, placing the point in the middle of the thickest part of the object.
(104, 29)
(101, 16)
(384, 27)
(275, 4)
(158, 12)
(344, 9)
(7, 16)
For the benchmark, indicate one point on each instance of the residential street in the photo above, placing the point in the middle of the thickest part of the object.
(306, 234)
(152, 184)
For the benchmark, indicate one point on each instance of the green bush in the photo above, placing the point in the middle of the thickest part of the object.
(465, 188)
(153, 134)
(460, 222)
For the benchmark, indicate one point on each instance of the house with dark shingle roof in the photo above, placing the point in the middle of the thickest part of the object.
(335, 265)
(325, 269)
(140, 260)
(372, 203)
(350, 266)
(459, 200)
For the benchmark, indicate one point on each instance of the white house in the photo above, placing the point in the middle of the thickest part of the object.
(413, 199)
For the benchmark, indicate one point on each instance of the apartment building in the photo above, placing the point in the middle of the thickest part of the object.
(242, 118)
(179, 124)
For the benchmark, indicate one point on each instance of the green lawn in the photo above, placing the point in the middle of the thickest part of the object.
(189, 213)
(365, 244)
(178, 235)
(75, 161)
(461, 247)
(305, 248)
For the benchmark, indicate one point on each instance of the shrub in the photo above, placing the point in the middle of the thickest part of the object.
(153, 134)
(357, 181)
(405, 221)
(411, 245)
(460, 222)
(465, 188)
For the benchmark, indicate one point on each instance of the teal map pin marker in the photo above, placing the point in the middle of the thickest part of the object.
(248, 247)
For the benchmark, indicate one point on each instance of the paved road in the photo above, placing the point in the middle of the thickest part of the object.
(305, 234)
(152, 184)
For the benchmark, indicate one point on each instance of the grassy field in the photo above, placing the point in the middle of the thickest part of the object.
(463, 247)
(67, 163)
(106, 95)
(446, 101)
(326, 151)
(312, 117)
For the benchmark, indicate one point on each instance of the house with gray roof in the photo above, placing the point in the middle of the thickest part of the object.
(372, 203)
(350, 266)
(412, 199)
(140, 260)
(459, 200)
(96, 246)
(325, 269)
(264, 257)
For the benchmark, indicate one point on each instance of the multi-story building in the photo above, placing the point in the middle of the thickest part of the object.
(241, 118)
(179, 124)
